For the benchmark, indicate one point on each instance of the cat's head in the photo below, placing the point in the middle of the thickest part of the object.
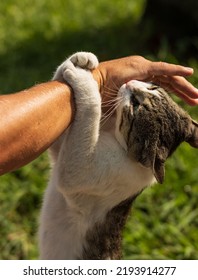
(150, 125)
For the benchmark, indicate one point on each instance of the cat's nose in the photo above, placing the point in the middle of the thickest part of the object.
(134, 84)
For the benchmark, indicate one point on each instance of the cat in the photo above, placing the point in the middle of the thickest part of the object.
(97, 172)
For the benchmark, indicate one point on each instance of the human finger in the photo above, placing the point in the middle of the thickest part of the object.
(163, 68)
(187, 99)
(180, 84)
(186, 92)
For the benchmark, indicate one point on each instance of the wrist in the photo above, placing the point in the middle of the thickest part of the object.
(99, 75)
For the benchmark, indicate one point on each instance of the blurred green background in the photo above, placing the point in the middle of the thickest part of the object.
(36, 36)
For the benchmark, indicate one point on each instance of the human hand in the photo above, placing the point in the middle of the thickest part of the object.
(112, 74)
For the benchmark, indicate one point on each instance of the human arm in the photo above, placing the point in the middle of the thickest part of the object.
(32, 120)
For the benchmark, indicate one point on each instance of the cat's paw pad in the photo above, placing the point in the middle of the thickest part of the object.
(85, 60)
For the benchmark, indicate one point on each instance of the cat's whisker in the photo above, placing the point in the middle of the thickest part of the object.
(111, 101)
(115, 97)
(110, 89)
(109, 113)
(106, 118)
(116, 87)
(104, 121)
(106, 105)
(110, 92)
(110, 96)
(114, 90)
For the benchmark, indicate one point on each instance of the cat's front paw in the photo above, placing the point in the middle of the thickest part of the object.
(69, 69)
(76, 71)
(85, 60)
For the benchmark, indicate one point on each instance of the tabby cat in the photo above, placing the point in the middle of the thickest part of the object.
(97, 172)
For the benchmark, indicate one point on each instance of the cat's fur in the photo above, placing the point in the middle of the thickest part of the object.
(98, 172)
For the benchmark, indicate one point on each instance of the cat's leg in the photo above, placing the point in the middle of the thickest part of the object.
(78, 148)
(60, 237)
(83, 60)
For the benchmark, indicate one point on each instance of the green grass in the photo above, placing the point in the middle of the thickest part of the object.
(35, 36)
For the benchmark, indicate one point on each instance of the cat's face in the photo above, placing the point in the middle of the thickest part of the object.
(150, 125)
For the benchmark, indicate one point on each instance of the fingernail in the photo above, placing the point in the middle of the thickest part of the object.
(189, 69)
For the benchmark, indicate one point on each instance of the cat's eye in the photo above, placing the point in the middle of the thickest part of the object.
(153, 87)
(134, 101)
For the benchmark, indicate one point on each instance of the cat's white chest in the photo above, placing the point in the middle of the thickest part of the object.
(120, 177)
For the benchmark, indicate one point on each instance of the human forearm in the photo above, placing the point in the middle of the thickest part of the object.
(31, 120)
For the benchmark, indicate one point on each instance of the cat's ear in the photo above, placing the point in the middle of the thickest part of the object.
(155, 161)
(154, 158)
(193, 137)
